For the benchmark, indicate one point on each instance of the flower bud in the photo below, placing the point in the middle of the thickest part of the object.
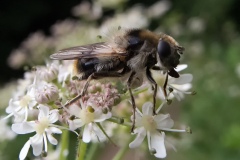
(46, 93)
(48, 73)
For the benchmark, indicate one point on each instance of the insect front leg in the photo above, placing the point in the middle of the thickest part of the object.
(95, 75)
(129, 82)
(82, 93)
(150, 78)
(165, 82)
(165, 87)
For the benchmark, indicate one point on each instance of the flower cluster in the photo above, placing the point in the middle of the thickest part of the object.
(40, 107)
(39, 103)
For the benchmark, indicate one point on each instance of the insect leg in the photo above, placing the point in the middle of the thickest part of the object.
(95, 75)
(150, 78)
(166, 79)
(157, 68)
(165, 87)
(81, 94)
(129, 82)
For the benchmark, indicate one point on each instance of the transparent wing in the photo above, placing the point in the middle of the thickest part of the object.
(87, 51)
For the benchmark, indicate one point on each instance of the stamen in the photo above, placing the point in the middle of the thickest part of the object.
(45, 142)
(160, 107)
(26, 114)
(173, 130)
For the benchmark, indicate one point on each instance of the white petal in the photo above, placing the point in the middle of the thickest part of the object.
(183, 79)
(87, 133)
(53, 116)
(100, 135)
(43, 111)
(157, 143)
(177, 95)
(55, 130)
(11, 106)
(37, 144)
(163, 121)
(74, 110)
(139, 139)
(160, 93)
(138, 120)
(23, 128)
(99, 116)
(24, 150)
(181, 67)
(76, 123)
(183, 87)
(32, 104)
(147, 108)
(51, 139)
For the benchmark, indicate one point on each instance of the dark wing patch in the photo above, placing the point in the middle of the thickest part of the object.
(87, 51)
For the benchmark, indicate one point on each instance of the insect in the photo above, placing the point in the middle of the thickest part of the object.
(133, 52)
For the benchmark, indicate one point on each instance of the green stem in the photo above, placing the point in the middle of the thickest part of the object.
(64, 144)
(92, 151)
(99, 125)
(82, 148)
(123, 150)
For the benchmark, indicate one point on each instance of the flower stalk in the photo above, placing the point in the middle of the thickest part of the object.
(64, 145)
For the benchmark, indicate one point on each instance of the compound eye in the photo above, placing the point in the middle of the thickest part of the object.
(164, 49)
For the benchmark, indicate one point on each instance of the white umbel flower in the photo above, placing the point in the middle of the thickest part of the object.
(179, 86)
(44, 129)
(20, 108)
(87, 117)
(5, 132)
(48, 73)
(152, 127)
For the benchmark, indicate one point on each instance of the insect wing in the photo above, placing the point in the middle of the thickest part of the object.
(87, 51)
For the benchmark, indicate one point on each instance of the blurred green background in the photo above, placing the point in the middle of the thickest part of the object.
(209, 30)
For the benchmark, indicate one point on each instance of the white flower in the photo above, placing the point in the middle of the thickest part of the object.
(179, 85)
(152, 127)
(48, 73)
(44, 129)
(65, 71)
(23, 84)
(20, 108)
(87, 116)
(46, 92)
(5, 132)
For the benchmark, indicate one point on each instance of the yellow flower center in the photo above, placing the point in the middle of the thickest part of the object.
(25, 100)
(42, 125)
(87, 115)
(148, 123)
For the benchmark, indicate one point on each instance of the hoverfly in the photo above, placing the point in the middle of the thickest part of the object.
(133, 51)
